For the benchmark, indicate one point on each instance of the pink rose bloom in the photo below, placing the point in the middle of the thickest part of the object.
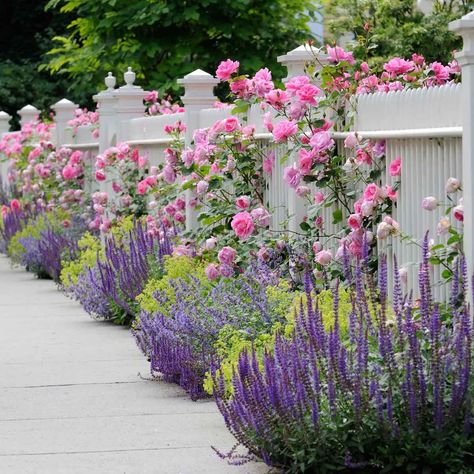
(69, 172)
(391, 194)
(76, 157)
(116, 187)
(395, 168)
(277, 98)
(268, 163)
(261, 216)
(302, 191)
(362, 156)
(283, 130)
(243, 225)
(305, 161)
(179, 217)
(351, 141)
(202, 187)
(296, 83)
(323, 257)
(354, 221)
(458, 212)
(151, 96)
(429, 203)
(364, 67)
(317, 247)
(210, 243)
(99, 175)
(142, 187)
(403, 274)
(372, 192)
(267, 121)
(338, 54)
(15, 205)
(241, 87)
(399, 66)
(452, 185)
(169, 174)
(443, 226)
(212, 271)
(307, 94)
(292, 176)
(321, 141)
(319, 197)
(231, 124)
(227, 255)
(242, 202)
(226, 69)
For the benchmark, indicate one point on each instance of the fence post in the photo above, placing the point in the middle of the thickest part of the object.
(198, 95)
(465, 28)
(4, 128)
(295, 61)
(129, 104)
(64, 112)
(28, 114)
(4, 123)
(106, 101)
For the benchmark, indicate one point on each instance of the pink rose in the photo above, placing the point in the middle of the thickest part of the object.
(242, 202)
(323, 257)
(372, 192)
(210, 243)
(362, 156)
(443, 226)
(354, 221)
(338, 54)
(292, 176)
(69, 172)
(15, 205)
(302, 191)
(231, 124)
(452, 185)
(321, 141)
(351, 141)
(429, 203)
(227, 255)
(319, 197)
(99, 175)
(268, 163)
(398, 66)
(261, 216)
(226, 69)
(212, 271)
(395, 167)
(284, 129)
(142, 187)
(458, 213)
(243, 225)
(202, 187)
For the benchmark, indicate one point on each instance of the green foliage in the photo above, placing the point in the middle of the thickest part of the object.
(395, 27)
(175, 267)
(90, 248)
(164, 40)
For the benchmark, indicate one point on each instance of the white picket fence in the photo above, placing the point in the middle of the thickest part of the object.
(430, 129)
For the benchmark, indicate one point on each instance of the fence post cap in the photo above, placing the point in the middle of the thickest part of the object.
(198, 77)
(4, 116)
(465, 27)
(64, 104)
(464, 23)
(305, 52)
(29, 109)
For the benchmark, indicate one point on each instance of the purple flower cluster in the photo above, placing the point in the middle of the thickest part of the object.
(12, 223)
(181, 343)
(395, 393)
(121, 276)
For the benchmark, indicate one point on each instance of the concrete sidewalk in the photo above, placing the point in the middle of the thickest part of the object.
(71, 399)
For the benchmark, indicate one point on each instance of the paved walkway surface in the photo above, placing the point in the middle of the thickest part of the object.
(71, 400)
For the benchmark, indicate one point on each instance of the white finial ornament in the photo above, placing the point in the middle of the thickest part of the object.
(110, 82)
(129, 77)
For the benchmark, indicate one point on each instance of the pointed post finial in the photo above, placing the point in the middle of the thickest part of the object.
(4, 122)
(129, 77)
(296, 60)
(110, 82)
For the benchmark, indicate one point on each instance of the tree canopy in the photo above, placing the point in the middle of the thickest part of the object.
(166, 39)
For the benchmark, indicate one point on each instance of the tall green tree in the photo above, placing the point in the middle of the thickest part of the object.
(385, 28)
(166, 39)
